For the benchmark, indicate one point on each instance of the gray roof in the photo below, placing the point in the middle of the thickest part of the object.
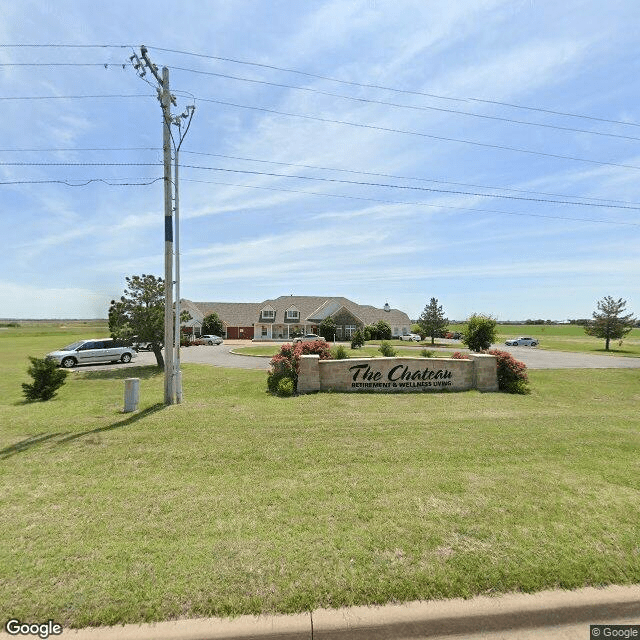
(311, 308)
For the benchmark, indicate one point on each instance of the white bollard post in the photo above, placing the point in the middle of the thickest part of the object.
(131, 394)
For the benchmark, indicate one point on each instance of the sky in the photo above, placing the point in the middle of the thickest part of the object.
(482, 152)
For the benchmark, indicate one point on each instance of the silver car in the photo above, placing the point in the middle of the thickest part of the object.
(212, 339)
(93, 351)
(522, 341)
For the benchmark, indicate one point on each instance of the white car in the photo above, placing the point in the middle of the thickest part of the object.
(309, 337)
(93, 351)
(212, 339)
(522, 341)
(411, 337)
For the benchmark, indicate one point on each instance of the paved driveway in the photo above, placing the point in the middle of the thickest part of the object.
(534, 358)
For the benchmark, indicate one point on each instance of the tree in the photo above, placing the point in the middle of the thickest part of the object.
(212, 325)
(327, 329)
(384, 330)
(139, 313)
(609, 324)
(357, 340)
(432, 320)
(479, 332)
(47, 379)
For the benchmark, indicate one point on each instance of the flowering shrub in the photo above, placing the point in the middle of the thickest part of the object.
(512, 374)
(460, 356)
(284, 365)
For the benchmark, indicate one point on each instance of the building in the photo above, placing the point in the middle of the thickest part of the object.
(280, 318)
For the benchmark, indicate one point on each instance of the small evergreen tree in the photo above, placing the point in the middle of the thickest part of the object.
(480, 332)
(432, 321)
(609, 324)
(47, 379)
(357, 340)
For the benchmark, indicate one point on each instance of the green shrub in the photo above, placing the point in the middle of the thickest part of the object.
(426, 353)
(285, 387)
(357, 340)
(512, 374)
(340, 353)
(480, 332)
(387, 350)
(47, 379)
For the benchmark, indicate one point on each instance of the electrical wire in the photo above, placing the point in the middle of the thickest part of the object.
(397, 177)
(83, 182)
(486, 145)
(394, 89)
(411, 107)
(420, 204)
(319, 179)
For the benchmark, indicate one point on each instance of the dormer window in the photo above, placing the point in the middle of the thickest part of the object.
(293, 314)
(268, 314)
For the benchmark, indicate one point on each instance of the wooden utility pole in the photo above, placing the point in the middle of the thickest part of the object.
(166, 99)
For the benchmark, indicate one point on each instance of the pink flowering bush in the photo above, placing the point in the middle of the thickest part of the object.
(512, 374)
(460, 356)
(285, 365)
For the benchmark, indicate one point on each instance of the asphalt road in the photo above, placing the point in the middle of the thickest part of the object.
(534, 358)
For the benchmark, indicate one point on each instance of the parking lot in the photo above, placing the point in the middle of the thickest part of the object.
(533, 357)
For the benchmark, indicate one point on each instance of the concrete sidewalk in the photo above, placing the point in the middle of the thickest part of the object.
(554, 615)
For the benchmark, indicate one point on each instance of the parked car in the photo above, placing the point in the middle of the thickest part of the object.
(522, 341)
(309, 337)
(142, 345)
(411, 337)
(93, 351)
(212, 339)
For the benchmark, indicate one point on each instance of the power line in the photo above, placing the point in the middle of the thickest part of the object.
(116, 95)
(394, 89)
(318, 179)
(332, 79)
(322, 168)
(407, 106)
(83, 182)
(408, 187)
(397, 177)
(420, 204)
(361, 125)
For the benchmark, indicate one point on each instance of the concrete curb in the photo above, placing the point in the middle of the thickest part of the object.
(548, 614)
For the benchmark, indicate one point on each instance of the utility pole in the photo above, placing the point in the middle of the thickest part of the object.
(166, 99)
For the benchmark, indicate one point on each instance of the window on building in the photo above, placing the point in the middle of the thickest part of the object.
(349, 330)
(292, 314)
(268, 314)
(264, 331)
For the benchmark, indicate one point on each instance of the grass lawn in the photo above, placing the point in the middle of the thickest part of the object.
(370, 350)
(568, 337)
(238, 502)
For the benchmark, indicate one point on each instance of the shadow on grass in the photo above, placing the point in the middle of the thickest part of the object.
(64, 436)
(116, 425)
(144, 372)
(28, 443)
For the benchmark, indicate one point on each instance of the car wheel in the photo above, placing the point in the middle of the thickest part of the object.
(67, 363)
(534, 344)
(515, 344)
(210, 342)
(126, 357)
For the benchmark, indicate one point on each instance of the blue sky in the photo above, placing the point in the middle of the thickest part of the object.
(433, 123)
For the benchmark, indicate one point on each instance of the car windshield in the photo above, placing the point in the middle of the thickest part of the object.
(73, 346)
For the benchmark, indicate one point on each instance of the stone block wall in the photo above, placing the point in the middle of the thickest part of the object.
(404, 374)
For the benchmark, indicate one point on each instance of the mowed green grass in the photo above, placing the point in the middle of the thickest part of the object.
(370, 350)
(568, 337)
(239, 502)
